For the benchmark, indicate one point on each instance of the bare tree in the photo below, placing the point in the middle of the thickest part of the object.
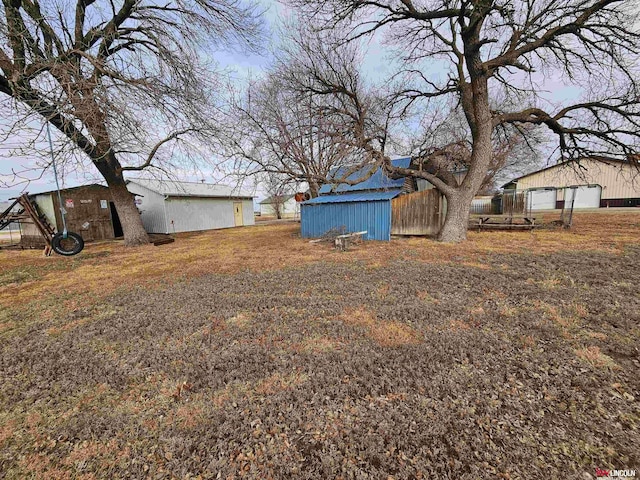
(279, 131)
(122, 80)
(492, 51)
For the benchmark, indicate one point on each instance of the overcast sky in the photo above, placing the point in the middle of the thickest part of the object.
(376, 65)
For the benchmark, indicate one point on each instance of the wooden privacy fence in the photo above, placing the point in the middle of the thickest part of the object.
(419, 213)
(484, 205)
(514, 202)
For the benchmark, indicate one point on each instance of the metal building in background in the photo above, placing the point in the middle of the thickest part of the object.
(594, 182)
(171, 207)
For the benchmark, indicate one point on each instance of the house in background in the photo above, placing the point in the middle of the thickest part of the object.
(170, 207)
(380, 205)
(595, 183)
(290, 208)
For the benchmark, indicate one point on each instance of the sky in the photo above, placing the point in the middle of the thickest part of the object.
(377, 64)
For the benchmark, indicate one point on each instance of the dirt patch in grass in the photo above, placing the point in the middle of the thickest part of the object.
(373, 363)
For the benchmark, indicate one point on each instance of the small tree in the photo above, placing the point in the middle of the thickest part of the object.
(491, 51)
(121, 80)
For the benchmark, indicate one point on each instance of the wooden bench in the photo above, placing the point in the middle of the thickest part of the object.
(342, 242)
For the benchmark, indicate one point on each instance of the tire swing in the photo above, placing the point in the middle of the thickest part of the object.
(68, 245)
(63, 243)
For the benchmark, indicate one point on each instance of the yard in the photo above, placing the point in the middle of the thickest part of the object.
(250, 353)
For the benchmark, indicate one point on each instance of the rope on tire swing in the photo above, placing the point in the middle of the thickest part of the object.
(66, 243)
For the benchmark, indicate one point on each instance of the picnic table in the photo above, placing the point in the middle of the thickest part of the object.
(507, 222)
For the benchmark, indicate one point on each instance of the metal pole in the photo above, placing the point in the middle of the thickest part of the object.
(573, 199)
(55, 174)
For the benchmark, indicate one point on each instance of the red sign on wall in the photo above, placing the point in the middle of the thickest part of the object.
(68, 203)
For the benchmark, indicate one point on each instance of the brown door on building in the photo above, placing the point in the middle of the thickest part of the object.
(115, 221)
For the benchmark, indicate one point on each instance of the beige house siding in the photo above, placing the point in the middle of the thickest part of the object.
(617, 180)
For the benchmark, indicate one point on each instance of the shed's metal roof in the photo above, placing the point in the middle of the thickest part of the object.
(377, 181)
(173, 188)
(354, 197)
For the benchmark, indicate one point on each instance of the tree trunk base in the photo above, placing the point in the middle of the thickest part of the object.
(136, 240)
(456, 222)
(451, 236)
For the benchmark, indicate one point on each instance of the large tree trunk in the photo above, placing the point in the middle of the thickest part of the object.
(134, 232)
(456, 221)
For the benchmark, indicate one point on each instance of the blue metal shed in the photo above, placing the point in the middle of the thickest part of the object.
(360, 207)
(357, 212)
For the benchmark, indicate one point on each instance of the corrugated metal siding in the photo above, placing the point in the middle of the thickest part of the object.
(482, 204)
(151, 206)
(372, 216)
(617, 180)
(185, 214)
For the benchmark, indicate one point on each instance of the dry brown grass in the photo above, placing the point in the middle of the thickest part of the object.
(6, 431)
(387, 333)
(56, 285)
(278, 365)
(316, 344)
(278, 382)
(105, 267)
(240, 320)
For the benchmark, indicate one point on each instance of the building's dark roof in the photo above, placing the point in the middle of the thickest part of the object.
(270, 200)
(355, 197)
(71, 188)
(378, 181)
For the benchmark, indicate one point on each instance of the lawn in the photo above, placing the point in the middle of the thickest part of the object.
(250, 353)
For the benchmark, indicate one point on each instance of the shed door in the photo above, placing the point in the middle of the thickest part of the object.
(542, 199)
(237, 213)
(587, 196)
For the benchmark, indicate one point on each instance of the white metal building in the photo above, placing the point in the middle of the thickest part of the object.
(170, 207)
(594, 183)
